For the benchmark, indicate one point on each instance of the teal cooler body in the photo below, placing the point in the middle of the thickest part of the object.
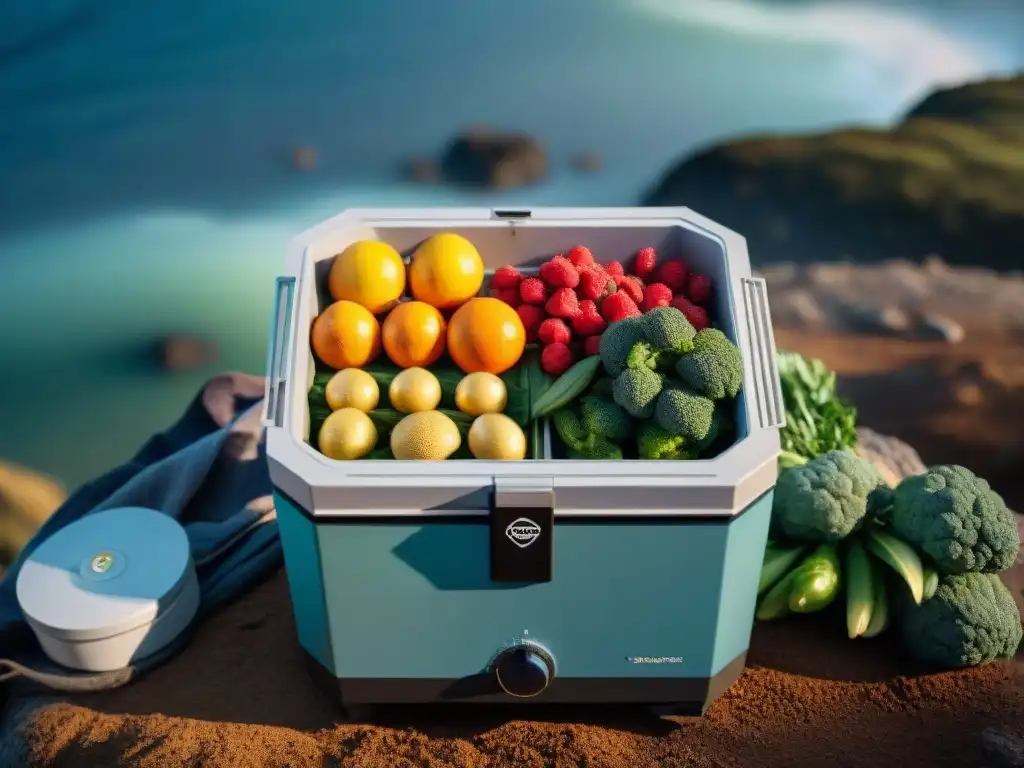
(544, 580)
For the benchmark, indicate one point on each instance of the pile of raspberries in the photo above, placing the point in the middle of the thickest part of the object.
(571, 301)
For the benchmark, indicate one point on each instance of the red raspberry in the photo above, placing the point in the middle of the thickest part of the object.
(559, 273)
(580, 256)
(591, 344)
(656, 295)
(563, 303)
(698, 316)
(615, 268)
(618, 306)
(532, 317)
(632, 286)
(554, 331)
(509, 295)
(643, 262)
(673, 274)
(698, 288)
(556, 359)
(589, 321)
(506, 277)
(593, 284)
(533, 291)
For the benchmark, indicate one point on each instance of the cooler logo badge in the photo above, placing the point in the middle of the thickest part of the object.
(523, 532)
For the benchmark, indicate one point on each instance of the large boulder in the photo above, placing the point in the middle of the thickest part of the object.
(27, 499)
(946, 179)
(487, 157)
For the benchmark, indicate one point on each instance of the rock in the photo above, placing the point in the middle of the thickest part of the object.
(422, 169)
(939, 181)
(305, 158)
(796, 308)
(1002, 749)
(887, 320)
(587, 162)
(893, 458)
(184, 352)
(27, 499)
(486, 157)
(934, 327)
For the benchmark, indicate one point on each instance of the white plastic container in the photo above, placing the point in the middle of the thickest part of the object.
(110, 589)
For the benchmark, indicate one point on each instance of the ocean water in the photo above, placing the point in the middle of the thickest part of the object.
(145, 184)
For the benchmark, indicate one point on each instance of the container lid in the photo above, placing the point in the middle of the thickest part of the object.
(105, 574)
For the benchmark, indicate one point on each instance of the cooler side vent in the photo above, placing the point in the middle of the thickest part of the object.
(767, 390)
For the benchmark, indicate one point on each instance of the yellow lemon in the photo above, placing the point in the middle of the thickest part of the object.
(445, 271)
(496, 437)
(480, 393)
(352, 388)
(425, 436)
(413, 390)
(347, 434)
(370, 273)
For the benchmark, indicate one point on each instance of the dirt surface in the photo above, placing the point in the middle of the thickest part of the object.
(240, 695)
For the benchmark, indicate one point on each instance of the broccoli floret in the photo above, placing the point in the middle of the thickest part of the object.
(715, 366)
(681, 412)
(971, 619)
(654, 443)
(617, 342)
(956, 519)
(582, 444)
(636, 390)
(603, 416)
(824, 500)
(667, 330)
(643, 355)
(598, 448)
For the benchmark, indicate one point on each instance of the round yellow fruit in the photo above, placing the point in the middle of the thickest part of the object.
(347, 434)
(425, 436)
(480, 393)
(496, 437)
(352, 388)
(370, 273)
(445, 271)
(414, 390)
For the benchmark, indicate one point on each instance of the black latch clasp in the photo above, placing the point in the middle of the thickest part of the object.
(522, 531)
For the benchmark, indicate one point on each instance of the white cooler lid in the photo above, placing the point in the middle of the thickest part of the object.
(105, 574)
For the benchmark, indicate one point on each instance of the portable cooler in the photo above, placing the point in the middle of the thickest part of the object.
(541, 580)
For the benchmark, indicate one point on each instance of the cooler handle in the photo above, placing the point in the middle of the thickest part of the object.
(771, 410)
(279, 352)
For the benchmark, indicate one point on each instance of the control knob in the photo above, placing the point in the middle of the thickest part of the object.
(524, 669)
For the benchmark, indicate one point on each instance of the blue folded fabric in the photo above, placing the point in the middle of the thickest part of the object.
(209, 472)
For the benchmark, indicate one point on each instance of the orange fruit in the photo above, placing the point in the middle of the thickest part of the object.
(445, 271)
(413, 334)
(486, 334)
(370, 273)
(346, 335)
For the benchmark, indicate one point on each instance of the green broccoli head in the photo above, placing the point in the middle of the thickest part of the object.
(603, 416)
(598, 448)
(568, 426)
(617, 342)
(715, 366)
(636, 390)
(667, 330)
(682, 412)
(956, 518)
(654, 443)
(580, 443)
(971, 619)
(825, 499)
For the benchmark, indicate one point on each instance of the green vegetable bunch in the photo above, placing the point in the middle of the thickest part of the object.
(925, 554)
(668, 390)
(817, 419)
